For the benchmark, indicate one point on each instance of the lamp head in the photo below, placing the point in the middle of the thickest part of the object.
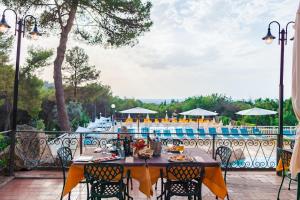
(3, 24)
(113, 106)
(269, 37)
(35, 33)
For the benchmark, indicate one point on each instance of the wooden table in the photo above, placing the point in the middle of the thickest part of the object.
(147, 175)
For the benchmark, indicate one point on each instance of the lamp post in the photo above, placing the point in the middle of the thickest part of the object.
(20, 28)
(113, 107)
(282, 41)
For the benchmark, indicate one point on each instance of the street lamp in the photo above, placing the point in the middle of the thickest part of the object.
(282, 41)
(20, 28)
(113, 107)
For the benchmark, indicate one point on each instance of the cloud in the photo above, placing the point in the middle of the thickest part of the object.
(199, 47)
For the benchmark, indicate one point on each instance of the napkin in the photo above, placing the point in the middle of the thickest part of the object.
(97, 150)
(129, 159)
(198, 159)
(83, 159)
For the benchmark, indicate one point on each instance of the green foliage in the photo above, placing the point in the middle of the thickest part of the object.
(225, 120)
(37, 59)
(78, 71)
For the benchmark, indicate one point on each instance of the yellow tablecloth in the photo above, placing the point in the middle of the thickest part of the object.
(147, 176)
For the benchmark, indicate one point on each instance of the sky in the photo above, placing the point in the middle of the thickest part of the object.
(197, 47)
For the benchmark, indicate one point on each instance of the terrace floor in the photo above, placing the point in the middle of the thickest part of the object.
(46, 185)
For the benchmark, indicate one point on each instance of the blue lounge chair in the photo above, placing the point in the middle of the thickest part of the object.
(157, 133)
(167, 133)
(201, 132)
(235, 133)
(212, 131)
(119, 130)
(288, 133)
(190, 133)
(225, 132)
(179, 133)
(145, 132)
(258, 133)
(131, 130)
(244, 133)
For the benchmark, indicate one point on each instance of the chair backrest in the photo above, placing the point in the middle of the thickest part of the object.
(157, 133)
(244, 131)
(167, 132)
(178, 130)
(189, 131)
(285, 157)
(234, 131)
(212, 130)
(184, 171)
(65, 156)
(224, 154)
(225, 130)
(256, 131)
(103, 172)
(292, 144)
(201, 131)
(145, 130)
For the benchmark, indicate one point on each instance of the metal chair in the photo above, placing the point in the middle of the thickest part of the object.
(183, 179)
(292, 144)
(65, 157)
(223, 153)
(285, 157)
(106, 181)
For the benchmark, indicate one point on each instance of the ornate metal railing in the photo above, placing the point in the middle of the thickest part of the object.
(38, 149)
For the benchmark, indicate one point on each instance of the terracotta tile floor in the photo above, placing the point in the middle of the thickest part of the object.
(241, 185)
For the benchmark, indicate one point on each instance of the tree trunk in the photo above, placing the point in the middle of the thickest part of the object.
(60, 55)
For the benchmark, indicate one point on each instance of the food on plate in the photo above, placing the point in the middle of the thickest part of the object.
(175, 148)
(180, 158)
(145, 153)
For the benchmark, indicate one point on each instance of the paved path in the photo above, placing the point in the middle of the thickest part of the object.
(242, 186)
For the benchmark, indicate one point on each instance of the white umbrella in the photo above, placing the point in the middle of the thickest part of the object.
(256, 112)
(138, 110)
(199, 112)
(82, 130)
(295, 160)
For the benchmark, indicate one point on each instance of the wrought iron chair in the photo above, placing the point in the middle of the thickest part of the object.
(65, 157)
(285, 157)
(223, 153)
(106, 181)
(183, 179)
(292, 144)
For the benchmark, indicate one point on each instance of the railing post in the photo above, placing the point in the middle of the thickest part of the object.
(213, 145)
(12, 152)
(80, 143)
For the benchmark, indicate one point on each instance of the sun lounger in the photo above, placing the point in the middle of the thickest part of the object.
(179, 133)
(167, 134)
(258, 133)
(235, 133)
(190, 133)
(201, 132)
(212, 131)
(225, 132)
(288, 133)
(244, 133)
(145, 132)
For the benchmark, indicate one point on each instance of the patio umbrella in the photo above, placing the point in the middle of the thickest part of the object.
(199, 112)
(295, 165)
(256, 112)
(138, 111)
